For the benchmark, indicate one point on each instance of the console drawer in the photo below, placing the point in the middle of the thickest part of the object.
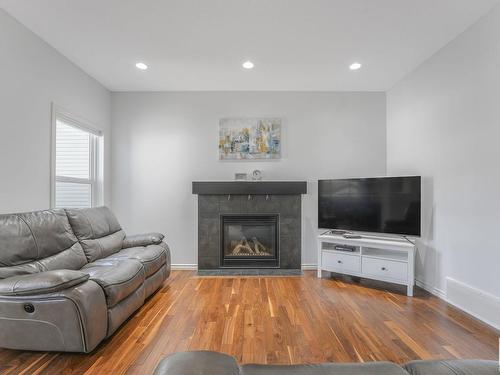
(385, 269)
(344, 263)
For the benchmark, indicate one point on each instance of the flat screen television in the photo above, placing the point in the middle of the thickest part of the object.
(381, 205)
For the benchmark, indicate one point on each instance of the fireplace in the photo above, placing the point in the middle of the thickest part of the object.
(249, 228)
(249, 241)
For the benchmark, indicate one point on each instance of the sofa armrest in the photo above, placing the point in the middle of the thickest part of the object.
(142, 240)
(41, 283)
(70, 320)
(198, 363)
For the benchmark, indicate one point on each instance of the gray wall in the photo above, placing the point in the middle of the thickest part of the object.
(444, 123)
(32, 76)
(164, 141)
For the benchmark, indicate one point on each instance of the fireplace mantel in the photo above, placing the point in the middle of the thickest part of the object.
(250, 187)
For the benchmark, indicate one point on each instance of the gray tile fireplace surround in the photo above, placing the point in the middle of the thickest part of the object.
(216, 199)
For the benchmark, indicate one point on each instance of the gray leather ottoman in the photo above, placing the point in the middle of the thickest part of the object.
(453, 367)
(212, 363)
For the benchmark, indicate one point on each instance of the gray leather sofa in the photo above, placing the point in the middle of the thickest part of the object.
(210, 363)
(70, 277)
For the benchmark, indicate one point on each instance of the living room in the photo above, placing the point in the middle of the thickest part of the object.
(251, 187)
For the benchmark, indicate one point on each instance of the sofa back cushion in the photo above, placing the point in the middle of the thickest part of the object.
(98, 231)
(38, 241)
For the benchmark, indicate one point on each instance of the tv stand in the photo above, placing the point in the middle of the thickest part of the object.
(378, 258)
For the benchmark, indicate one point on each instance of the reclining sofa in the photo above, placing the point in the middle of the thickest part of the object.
(211, 363)
(70, 277)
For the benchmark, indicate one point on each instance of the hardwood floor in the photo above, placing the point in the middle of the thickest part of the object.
(275, 320)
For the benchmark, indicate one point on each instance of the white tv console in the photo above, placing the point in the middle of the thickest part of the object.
(379, 258)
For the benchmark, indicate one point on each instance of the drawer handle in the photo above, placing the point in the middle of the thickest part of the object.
(384, 269)
(339, 261)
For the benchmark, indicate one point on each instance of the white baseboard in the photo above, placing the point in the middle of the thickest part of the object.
(475, 302)
(431, 289)
(185, 266)
(309, 266)
(481, 305)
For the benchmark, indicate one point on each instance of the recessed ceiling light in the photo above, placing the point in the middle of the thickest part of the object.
(141, 66)
(355, 66)
(248, 65)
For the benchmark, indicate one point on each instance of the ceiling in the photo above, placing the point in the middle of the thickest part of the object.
(201, 44)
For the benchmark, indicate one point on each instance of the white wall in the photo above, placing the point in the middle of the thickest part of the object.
(443, 122)
(164, 141)
(32, 76)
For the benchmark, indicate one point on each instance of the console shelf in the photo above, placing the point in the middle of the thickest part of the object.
(385, 259)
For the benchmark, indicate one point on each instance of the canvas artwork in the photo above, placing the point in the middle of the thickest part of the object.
(249, 138)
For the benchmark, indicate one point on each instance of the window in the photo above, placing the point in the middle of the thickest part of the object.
(76, 163)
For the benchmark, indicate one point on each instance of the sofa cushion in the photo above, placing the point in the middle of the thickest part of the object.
(198, 363)
(155, 281)
(371, 368)
(452, 367)
(38, 241)
(41, 283)
(119, 278)
(98, 231)
(152, 257)
(123, 310)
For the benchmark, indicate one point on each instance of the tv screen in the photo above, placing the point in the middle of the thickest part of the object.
(383, 205)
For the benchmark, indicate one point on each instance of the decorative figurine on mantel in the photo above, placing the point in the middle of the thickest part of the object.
(257, 175)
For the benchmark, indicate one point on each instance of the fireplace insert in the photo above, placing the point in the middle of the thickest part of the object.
(249, 241)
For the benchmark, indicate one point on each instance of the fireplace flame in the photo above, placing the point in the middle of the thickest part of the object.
(252, 247)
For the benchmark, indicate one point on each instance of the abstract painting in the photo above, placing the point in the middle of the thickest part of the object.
(249, 138)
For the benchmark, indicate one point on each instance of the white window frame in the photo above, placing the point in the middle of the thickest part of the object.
(96, 156)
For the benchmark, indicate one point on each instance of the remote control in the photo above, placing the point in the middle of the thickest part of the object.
(352, 236)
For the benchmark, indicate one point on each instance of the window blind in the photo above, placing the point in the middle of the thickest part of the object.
(74, 182)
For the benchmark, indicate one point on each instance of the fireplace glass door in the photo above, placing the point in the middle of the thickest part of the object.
(249, 241)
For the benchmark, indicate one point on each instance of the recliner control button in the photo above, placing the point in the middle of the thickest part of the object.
(29, 308)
